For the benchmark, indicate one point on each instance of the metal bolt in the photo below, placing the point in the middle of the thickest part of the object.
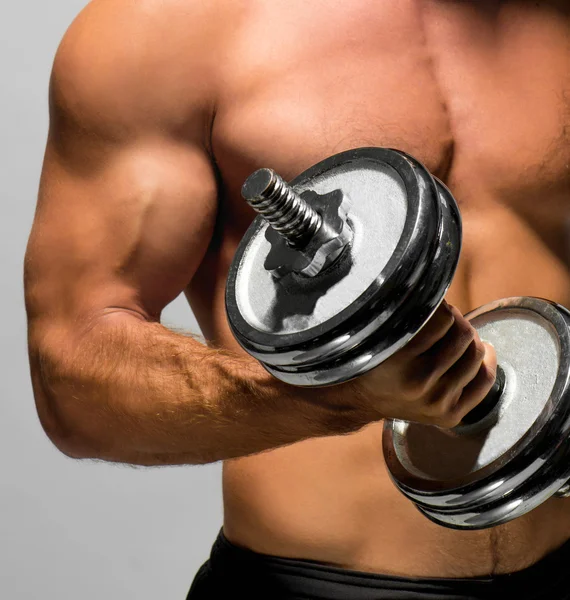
(271, 197)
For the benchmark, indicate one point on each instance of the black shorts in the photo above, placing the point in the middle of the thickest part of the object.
(234, 572)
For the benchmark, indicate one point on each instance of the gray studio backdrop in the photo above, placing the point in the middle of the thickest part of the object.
(73, 530)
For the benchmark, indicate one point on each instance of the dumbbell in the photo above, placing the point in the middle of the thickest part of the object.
(341, 268)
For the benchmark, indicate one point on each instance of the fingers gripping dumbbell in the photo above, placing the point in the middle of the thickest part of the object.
(342, 268)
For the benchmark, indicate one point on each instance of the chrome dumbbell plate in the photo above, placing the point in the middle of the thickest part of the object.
(312, 331)
(498, 469)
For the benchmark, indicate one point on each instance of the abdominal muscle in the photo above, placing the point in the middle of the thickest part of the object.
(331, 499)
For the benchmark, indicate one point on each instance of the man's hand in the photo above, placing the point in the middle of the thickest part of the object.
(437, 378)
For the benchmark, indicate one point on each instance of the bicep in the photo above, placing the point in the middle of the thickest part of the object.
(128, 234)
(128, 195)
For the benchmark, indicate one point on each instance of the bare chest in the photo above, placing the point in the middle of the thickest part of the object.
(480, 94)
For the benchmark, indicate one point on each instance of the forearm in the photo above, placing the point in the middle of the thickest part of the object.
(135, 392)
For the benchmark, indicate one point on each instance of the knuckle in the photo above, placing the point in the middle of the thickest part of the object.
(488, 375)
(466, 332)
(445, 320)
(434, 330)
(448, 319)
(479, 351)
(444, 329)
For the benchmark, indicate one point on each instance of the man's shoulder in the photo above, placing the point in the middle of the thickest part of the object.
(140, 57)
(195, 17)
(150, 27)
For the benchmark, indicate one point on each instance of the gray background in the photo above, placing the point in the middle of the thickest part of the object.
(74, 529)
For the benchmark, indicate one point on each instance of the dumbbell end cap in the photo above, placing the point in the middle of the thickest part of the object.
(257, 184)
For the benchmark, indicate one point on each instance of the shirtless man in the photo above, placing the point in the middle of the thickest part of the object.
(160, 109)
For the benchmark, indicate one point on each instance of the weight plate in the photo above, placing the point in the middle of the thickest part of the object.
(378, 220)
(453, 474)
(296, 321)
(381, 338)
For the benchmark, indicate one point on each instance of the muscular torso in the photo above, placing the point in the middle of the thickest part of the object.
(480, 93)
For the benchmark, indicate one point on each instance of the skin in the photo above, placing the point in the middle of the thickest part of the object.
(159, 111)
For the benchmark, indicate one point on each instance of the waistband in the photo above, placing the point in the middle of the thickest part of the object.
(277, 577)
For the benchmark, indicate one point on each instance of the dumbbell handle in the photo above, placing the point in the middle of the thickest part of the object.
(489, 402)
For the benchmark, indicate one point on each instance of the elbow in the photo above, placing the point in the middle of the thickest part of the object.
(61, 411)
(69, 438)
